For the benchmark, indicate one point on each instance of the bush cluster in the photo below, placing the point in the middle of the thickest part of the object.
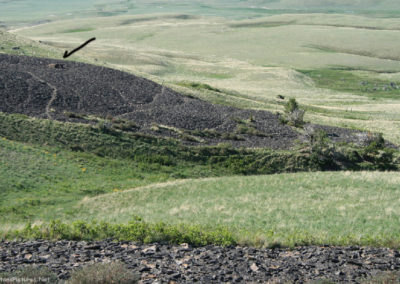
(71, 114)
(373, 155)
(104, 273)
(136, 230)
(150, 151)
(199, 86)
(247, 126)
(294, 116)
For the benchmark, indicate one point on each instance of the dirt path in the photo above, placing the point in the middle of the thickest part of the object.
(53, 96)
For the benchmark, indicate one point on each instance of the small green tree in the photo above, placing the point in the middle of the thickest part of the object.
(291, 105)
(293, 114)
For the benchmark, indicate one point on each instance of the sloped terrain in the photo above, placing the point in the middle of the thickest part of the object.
(55, 89)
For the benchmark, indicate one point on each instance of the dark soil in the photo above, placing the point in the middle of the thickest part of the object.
(47, 88)
(210, 264)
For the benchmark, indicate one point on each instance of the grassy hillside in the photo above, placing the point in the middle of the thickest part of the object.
(17, 45)
(335, 208)
(12, 44)
(43, 183)
(79, 162)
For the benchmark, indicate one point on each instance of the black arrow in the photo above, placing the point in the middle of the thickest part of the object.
(66, 54)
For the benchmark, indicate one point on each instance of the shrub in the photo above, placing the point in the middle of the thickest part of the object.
(249, 130)
(33, 274)
(296, 118)
(106, 127)
(321, 152)
(73, 115)
(367, 139)
(325, 155)
(282, 119)
(251, 119)
(209, 133)
(190, 138)
(293, 114)
(103, 273)
(154, 127)
(125, 125)
(291, 105)
(375, 154)
(199, 86)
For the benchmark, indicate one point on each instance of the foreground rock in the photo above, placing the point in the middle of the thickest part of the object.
(209, 264)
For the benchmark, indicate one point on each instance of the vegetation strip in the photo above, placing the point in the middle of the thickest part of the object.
(105, 142)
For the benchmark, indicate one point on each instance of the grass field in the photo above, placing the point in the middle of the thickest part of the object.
(40, 184)
(25, 12)
(161, 180)
(335, 208)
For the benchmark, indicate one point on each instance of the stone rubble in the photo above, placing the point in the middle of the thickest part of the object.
(162, 263)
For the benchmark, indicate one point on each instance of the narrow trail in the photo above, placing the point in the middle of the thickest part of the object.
(53, 96)
(5, 100)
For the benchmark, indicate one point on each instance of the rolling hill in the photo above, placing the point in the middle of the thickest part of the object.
(78, 92)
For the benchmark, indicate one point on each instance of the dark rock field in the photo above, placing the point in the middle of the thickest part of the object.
(210, 264)
(47, 88)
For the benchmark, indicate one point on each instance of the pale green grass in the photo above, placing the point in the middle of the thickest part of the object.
(289, 45)
(330, 207)
(26, 46)
(27, 12)
(17, 45)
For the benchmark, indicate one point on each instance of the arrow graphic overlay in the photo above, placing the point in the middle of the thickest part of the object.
(66, 54)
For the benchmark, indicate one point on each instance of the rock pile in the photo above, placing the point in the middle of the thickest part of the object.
(209, 264)
(47, 88)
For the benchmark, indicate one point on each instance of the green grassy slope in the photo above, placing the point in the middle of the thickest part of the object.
(81, 162)
(17, 45)
(335, 208)
(12, 44)
(40, 183)
(44, 182)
